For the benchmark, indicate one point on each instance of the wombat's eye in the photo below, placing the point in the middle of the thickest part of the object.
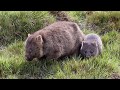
(85, 51)
(30, 51)
(91, 51)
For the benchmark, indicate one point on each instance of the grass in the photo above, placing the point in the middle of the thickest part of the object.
(14, 66)
(77, 16)
(104, 21)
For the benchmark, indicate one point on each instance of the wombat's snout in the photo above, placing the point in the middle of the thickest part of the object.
(28, 58)
(87, 56)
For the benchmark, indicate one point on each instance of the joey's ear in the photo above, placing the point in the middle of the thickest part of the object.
(82, 44)
(29, 35)
(94, 43)
(39, 38)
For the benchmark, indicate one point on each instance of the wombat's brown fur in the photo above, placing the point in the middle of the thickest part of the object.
(91, 46)
(58, 40)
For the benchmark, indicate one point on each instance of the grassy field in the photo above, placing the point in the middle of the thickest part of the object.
(14, 66)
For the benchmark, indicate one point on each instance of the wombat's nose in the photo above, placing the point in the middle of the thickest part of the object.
(28, 58)
(87, 56)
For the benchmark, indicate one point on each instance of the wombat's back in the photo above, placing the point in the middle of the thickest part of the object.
(61, 27)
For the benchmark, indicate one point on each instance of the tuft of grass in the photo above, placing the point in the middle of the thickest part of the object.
(77, 16)
(104, 21)
(111, 38)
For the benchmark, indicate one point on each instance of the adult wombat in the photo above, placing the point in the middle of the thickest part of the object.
(91, 46)
(55, 41)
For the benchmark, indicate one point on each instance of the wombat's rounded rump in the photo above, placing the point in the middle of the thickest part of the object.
(91, 46)
(58, 40)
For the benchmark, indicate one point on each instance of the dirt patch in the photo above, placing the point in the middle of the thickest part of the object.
(61, 15)
(115, 76)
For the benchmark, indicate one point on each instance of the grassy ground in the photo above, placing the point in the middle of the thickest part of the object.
(105, 66)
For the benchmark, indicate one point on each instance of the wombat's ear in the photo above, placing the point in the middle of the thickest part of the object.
(82, 44)
(28, 35)
(94, 43)
(39, 38)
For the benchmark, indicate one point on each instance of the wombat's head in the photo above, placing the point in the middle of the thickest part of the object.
(89, 49)
(33, 47)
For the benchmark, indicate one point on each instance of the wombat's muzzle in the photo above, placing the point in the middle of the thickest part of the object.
(28, 58)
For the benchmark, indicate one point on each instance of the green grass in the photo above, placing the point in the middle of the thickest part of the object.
(14, 66)
(104, 21)
(77, 16)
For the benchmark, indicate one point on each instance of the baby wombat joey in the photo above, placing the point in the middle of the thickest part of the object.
(91, 46)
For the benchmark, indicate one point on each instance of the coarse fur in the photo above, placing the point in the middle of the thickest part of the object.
(91, 46)
(55, 41)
